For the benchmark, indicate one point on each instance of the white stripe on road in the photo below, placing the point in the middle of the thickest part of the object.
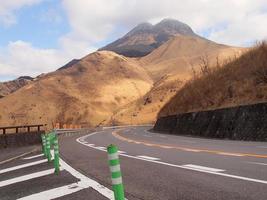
(258, 163)
(263, 147)
(148, 157)
(192, 150)
(204, 168)
(231, 154)
(26, 177)
(180, 166)
(58, 192)
(102, 148)
(85, 180)
(32, 157)
(121, 152)
(22, 166)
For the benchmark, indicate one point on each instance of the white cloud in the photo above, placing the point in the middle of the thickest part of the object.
(235, 22)
(8, 7)
(96, 19)
(21, 58)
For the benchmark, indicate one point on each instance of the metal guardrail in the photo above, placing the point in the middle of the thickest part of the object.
(28, 127)
(15, 137)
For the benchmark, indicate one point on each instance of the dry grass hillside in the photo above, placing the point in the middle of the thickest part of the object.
(9, 87)
(171, 66)
(181, 53)
(241, 81)
(87, 92)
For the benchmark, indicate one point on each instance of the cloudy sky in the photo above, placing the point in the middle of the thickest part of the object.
(39, 36)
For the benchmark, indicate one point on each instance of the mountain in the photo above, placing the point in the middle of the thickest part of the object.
(9, 87)
(88, 92)
(145, 37)
(107, 88)
(241, 81)
(170, 66)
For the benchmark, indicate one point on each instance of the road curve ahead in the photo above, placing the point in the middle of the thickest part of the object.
(158, 166)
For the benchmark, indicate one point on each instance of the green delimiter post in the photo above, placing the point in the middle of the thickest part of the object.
(116, 176)
(56, 155)
(48, 148)
(43, 144)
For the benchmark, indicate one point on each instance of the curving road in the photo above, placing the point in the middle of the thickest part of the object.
(159, 166)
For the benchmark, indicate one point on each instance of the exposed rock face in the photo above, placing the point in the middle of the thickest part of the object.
(146, 37)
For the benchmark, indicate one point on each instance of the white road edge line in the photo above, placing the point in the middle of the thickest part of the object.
(22, 166)
(231, 154)
(148, 157)
(257, 163)
(32, 157)
(26, 177)
(204, 168)
(179, 166)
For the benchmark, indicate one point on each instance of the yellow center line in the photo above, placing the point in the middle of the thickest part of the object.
(116, 134)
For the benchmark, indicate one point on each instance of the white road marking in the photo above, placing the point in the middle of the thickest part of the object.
(231, 154)
(263, 147)
(182, 167)
(204, 168)
(32, 157)
(26, 177)
(257, 163)
(121, 152)
(22, 166)
(102, 148)
(148, 157)
(90, 144)
(191, 150)
(57, 192)
(87, 181)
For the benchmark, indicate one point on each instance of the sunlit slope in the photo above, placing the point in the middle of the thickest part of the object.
(182, 53)
(88, 92)
(171, 66)
(240, 82)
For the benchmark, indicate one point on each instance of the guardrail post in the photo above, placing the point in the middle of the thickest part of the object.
(116, 176)
(44, 145)
(48, 148)
(56, 155)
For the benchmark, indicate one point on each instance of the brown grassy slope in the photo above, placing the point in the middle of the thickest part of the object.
(145, 109)
(179, 54)
(88, 92)
(8, 87)
(242, 81)
(171, 66)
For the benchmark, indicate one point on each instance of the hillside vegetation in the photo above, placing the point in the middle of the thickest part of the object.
(170, 66)
(239, 81)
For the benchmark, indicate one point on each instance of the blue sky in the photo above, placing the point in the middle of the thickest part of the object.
(42, 35)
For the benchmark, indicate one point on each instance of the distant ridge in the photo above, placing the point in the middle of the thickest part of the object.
(145, 37)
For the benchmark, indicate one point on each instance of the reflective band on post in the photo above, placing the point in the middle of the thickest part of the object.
(56, 154)
(116, 168)
(116, 181)
(113, 156)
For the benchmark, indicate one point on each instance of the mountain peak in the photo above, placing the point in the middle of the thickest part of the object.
(145, 37)
(174, 26)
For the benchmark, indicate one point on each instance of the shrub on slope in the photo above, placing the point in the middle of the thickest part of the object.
(237, 82)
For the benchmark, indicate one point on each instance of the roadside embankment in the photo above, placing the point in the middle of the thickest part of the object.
(237, 123)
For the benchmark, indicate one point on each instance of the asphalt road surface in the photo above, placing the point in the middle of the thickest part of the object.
(160, 166)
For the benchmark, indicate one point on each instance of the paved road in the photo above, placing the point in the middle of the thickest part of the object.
(158, 166)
